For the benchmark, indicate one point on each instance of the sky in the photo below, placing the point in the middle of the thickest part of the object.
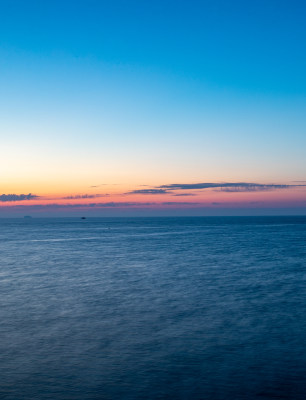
(152, 108)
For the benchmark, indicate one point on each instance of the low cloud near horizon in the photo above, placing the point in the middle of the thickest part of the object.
(170, 189)
(148, 191)
(85, 196)
(174, 189)
(111, 204)
(226, 186)
(17, 197)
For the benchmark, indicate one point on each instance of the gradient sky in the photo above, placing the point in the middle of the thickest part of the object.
(106, 104)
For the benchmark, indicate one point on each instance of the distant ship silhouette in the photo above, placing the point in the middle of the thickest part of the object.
(83, 217)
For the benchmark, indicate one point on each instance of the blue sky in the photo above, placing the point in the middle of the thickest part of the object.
(250, 46)
(134, 93)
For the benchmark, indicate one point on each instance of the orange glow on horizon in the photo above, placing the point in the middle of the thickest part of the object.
(101, 195)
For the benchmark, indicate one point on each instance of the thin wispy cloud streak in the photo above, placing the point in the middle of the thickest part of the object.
(263, 188)
(227, 186)
(85, 205)
(181, 203)
(183, 194)
(85, 196)
(104, 205)
(121, 204)
(148, 191)
(17, 197)
(104, 184)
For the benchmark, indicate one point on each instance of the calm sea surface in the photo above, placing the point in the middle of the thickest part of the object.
(153, 308)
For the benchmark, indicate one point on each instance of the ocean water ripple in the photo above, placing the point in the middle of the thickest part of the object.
(153, 308)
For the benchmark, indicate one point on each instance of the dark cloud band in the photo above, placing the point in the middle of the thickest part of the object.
(225, 186)
(17, 197)
(148, 191)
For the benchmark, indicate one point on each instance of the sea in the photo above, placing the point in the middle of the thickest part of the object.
(210, 308)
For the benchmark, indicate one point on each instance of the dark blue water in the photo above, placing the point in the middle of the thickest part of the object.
(157, 308)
